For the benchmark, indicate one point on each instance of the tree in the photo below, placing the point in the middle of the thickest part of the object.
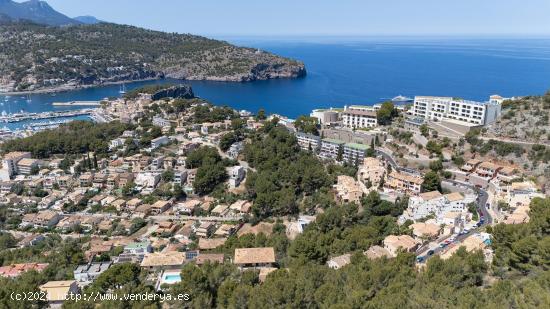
(436, 166)
(227, 140)
(386, 113)
(307, 124)
(432, 182)
(261, 114)
(208, 177)
(424, 130)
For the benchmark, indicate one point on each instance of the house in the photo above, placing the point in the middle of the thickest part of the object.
(133, 203)
(57, 291)
(119, 204)
(487, 170)
(220, 210)
(112, 180)
(85, 180)
(147, 181)
(68, 223)
(42, 219)
(372, 171)
(205, 229)
(124, 179)
(425, 230)
(340, 261)
(348, 190)
(435, 204)
(30, 240)
(225, 230)
(143, 210)
(188, 206)
(14, 270)
(241, 207)
(160, 206)
(236, 175)
(506, 174)
(470, 165)
(166, 228)
(163, 260)
(403, 182)
(86, 274)
(211, 243)
(212, 258)
(254, 257)
(134, 252)
(235, 149)
(159, 141)
(394, 243)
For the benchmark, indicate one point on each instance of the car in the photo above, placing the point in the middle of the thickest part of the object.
(442, 245)
(420, 259)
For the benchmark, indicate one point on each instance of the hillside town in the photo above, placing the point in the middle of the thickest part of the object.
(181, 182)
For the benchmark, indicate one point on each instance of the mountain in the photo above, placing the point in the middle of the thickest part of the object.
(35, 11)
(87, 19)
(37, 57)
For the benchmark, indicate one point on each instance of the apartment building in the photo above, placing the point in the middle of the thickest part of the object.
(325, 116)
(372, 170)
(358, 116)
(402, 182)
(9, 164)
(330, 148)
(308, 141)
(445, 108)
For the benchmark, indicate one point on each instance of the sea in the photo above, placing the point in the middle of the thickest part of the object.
(357, 70)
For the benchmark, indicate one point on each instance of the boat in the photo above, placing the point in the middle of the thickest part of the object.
(401, 99)
(122, 89)
(29, 98)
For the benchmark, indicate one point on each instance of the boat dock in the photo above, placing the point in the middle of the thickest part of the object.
(77, 103)
(23, 116)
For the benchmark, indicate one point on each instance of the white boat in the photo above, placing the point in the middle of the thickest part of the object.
(29, 98)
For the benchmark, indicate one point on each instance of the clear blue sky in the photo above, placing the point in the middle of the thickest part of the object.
(322, 17)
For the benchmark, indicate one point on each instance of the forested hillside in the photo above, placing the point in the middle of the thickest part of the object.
(36, 57)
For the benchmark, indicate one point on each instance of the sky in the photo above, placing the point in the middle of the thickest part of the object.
(322, 17)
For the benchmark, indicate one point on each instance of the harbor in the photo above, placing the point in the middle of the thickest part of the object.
(26, 116)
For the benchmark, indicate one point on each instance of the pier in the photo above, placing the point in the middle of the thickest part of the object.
(23, 116)
(77, 103)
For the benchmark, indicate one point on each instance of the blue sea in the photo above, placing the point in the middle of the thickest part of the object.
(344, 71)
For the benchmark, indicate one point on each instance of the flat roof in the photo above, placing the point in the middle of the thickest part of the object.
(357, 146)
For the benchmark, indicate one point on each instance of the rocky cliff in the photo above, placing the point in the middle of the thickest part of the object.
(35, 57)
(180, 91)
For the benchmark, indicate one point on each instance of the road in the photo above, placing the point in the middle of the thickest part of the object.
(481, 205)
(512, 141)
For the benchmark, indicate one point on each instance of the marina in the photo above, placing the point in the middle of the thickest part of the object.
(24, 116)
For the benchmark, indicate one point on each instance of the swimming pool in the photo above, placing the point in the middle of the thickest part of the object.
(171, 278)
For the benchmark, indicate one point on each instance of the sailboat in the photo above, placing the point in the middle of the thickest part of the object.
(29, 98)
(122, 89)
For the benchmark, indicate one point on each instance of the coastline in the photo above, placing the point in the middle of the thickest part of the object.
(72, 88)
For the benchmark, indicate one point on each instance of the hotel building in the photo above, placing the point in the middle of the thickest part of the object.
(447, 108)
(357, 116)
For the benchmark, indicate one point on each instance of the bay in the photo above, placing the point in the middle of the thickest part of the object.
(344, 71)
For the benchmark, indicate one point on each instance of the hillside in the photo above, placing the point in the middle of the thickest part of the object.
(525, 120)
(35, 11)
(37, 57)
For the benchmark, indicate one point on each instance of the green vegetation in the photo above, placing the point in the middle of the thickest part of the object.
(148, 89)
(307, 124)
(432, 182)
(210, 169)
(76, 137)
(284, 173)
(93, 54)
(386, 113)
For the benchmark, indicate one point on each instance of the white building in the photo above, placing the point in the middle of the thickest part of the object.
(159, 141)
(236, 175)
(308, 141)
(325, 116)
(160, 122)
(358, 116)
(116, 143)
(435, 204)
(447, 108)
(9, 164)
(147, 181)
